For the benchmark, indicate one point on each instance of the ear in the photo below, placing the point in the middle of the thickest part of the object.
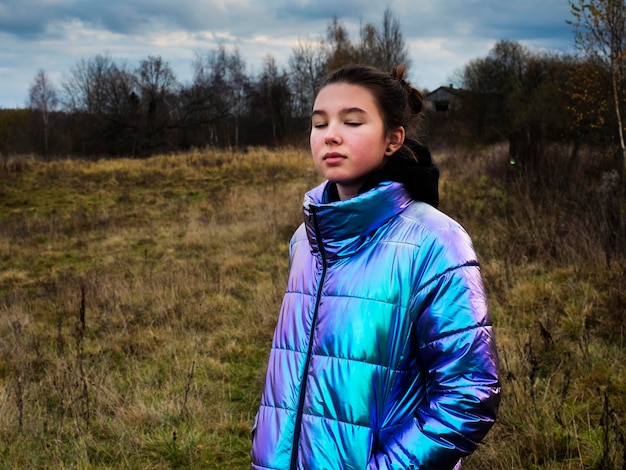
(395, 139)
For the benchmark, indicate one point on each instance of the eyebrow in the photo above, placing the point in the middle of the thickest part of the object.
(344, 111)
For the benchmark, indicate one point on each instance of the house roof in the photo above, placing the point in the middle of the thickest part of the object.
(445, 93)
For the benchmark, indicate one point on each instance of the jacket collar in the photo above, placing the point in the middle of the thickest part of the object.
(340, 228)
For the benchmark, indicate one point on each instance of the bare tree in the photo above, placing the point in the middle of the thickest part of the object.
(99, 95)
(270, 101)
(86, 88)
(220, 88)
(157, 84)
(123, 106)
(368, 52)
(307, 68)
(43, 100)
(240, 84)
(600, 32)
(600, 35)
(310, 61)
(340, 50)
(385, 47)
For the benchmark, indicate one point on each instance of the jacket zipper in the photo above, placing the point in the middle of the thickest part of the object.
(305, 374)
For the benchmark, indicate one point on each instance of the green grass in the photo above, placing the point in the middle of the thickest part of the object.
(138, 300)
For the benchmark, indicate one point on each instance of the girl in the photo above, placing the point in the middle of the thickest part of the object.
(383, 355)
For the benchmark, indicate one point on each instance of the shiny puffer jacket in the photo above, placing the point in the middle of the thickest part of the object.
(383, 355)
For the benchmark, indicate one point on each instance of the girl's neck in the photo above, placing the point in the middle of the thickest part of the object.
(345, 193)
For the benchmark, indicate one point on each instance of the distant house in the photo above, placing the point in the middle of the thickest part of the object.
(444, 98)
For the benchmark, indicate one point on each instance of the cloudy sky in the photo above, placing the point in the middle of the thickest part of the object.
(441, 35)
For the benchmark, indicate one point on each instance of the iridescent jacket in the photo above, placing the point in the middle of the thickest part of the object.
(383, 355)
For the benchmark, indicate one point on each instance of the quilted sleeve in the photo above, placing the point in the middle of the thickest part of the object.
(456, 347)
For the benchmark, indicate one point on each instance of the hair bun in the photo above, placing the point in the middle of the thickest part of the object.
(414, 96)
(399, 72)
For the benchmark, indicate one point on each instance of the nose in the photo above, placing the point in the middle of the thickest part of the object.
(332, 136)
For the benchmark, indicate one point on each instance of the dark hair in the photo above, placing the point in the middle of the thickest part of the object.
(397, 100)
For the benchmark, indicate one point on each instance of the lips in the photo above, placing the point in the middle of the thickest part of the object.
(332, 158)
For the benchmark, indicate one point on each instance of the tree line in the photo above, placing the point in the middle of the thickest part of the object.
(528, 98)
(532, 99)
(106, 108)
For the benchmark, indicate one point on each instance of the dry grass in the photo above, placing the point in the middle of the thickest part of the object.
(138, 299)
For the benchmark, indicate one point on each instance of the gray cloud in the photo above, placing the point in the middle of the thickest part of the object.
(443, 36)
(325, 9)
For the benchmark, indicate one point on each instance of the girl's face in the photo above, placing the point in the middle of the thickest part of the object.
(348, 138)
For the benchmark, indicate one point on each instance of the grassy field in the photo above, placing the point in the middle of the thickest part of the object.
(138, 299)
